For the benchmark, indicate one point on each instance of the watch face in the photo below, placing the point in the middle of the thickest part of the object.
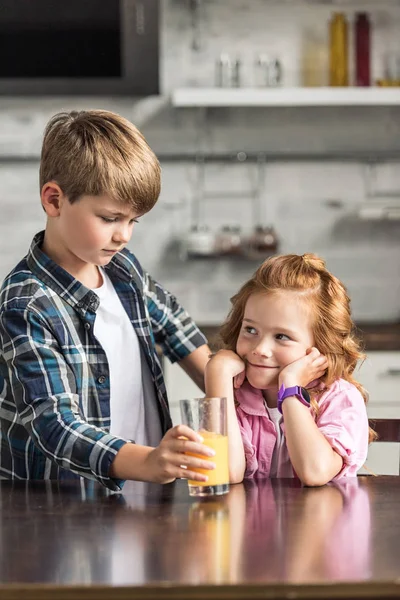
(306, 395)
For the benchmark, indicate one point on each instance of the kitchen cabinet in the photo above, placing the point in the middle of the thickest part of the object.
(380, 375)
(179, 386)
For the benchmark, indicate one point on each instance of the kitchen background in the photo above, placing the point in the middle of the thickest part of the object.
(326, 179)
(313, 200)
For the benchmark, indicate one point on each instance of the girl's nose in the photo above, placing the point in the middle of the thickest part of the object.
(262, 349)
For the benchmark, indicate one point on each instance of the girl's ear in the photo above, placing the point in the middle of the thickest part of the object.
(52, 198)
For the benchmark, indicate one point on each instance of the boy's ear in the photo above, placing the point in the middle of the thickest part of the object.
(52, 198)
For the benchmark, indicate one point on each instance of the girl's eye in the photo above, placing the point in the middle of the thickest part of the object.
(282, 336)
(134, 221)
(251, 330)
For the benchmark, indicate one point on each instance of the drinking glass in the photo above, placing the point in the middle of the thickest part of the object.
(208, 417)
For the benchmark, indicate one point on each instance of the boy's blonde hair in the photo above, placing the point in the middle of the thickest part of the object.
(329, 306)
(98, 152)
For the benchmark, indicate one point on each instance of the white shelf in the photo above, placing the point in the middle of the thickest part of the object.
(281, 96)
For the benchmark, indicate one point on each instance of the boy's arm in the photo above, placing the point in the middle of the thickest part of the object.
(195, 363)
(174, 330)
(178, 453)
(44, 391)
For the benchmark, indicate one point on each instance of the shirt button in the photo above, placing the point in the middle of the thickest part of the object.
(87, 325)
(101, 379)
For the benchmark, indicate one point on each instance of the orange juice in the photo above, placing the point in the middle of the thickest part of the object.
(219, 475)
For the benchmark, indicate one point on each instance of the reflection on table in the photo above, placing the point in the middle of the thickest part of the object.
(264, 532)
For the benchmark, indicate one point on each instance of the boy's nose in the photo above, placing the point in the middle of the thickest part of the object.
(123, 234)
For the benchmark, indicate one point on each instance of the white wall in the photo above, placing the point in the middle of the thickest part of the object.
(295, 196)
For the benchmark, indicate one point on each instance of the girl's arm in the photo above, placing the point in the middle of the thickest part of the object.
(312, 457)
(219, 381)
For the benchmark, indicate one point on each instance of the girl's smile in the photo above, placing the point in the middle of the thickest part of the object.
(261, 366)
(276, 330)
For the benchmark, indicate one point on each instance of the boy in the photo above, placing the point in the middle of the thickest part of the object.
(81, 388)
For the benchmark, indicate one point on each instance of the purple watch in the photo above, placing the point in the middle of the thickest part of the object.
(300, 393)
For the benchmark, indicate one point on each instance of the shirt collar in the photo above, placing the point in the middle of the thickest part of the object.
(251, 400)
(66, 286)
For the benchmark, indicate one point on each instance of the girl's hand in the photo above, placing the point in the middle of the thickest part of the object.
(228, 363)
(170, 460)
(304, 370)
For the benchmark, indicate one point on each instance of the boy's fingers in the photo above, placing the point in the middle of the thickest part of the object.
(187, 474)
(183, 431)
(185, 446)
(192, 462)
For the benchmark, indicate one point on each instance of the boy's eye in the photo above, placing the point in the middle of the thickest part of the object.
(282, 336)
(111, 220)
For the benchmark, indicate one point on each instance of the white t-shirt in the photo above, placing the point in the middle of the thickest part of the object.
(129, 372)
(280, 458)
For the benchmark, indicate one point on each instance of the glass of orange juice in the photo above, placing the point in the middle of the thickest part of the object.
(208, 417)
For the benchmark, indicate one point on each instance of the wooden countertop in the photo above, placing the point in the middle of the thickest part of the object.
(265, 539)
(375, 336)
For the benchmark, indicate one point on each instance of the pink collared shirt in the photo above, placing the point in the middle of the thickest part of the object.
(342, 419)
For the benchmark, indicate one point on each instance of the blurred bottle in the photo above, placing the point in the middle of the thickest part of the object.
(314, 60)
(338, 47)
(391, 69)
(362, 49)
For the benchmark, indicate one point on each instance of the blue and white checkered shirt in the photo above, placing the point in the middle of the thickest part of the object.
(54, 375)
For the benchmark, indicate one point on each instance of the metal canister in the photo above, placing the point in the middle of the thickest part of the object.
(227, 71)
(268, 71)
(274, 73)
(223, 71)
(235, 73)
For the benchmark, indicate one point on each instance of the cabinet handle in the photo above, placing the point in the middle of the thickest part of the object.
(392, 373)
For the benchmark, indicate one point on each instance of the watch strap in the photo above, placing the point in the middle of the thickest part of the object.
(295, 390)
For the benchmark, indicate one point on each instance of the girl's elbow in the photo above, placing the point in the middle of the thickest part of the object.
(314, 477)
(236, 475)
(236, 478)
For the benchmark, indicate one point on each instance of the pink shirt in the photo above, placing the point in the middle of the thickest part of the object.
(342, 420)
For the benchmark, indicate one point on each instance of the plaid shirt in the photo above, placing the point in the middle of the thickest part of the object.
(54, 375)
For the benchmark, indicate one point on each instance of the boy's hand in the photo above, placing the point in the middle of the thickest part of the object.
(304, 370)
(228, 363)
(167, 462)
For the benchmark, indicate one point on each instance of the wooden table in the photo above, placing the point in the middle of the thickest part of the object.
(265, 539)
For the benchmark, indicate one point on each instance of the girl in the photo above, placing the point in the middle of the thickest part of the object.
(287, 373)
